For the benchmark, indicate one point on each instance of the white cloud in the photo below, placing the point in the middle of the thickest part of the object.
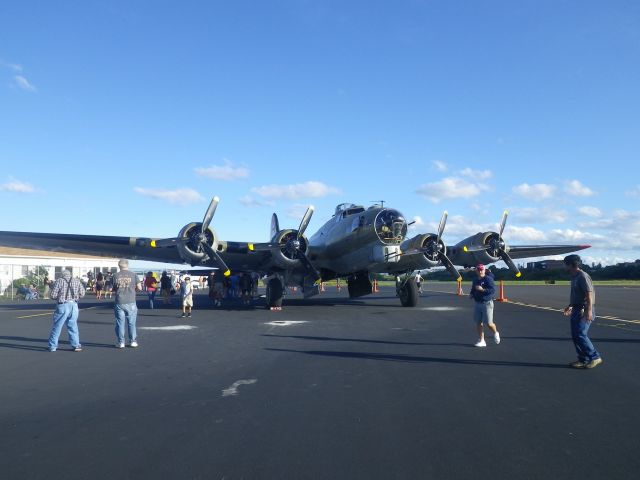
(227, 172)
(181, 196)
(536, 192)
(297, 211)
(538, 215)
(634, 192)
(23, 83)
(476, 174)
(524, 234)
(249, 201)
(592, 212)
(577, 189)
(17, 186)
(12, 66)
(449, 188)
(311, 189)
(417, 223)
(439, 165)
(570, 235)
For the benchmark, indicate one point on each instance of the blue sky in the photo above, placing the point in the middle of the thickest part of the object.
(124, 118)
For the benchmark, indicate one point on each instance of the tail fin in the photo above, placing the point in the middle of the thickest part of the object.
(275, 226)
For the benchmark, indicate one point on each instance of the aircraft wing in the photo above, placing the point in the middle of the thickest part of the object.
(530, 251)
(236, 255)
(98, 245)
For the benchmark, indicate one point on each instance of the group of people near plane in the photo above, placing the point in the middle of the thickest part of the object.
(67, 291)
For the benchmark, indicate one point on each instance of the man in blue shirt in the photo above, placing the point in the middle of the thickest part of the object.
(482, 291)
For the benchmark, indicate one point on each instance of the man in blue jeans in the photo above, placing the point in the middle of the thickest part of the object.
(66, 291)
(125, 286)
(582, 310)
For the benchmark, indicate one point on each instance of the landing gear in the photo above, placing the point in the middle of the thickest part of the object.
(275, 293)
(407, 291)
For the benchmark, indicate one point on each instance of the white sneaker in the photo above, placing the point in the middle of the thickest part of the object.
(134, 344)
(481, 343)
(496, 338)
(119, 345)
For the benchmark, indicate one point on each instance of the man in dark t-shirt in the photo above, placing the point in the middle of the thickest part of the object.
(582, 310)
(125, 286)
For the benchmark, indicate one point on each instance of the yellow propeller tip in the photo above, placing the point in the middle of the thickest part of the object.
(465, 249)
(251, 247)
(459, 279)
(519, 274)
(227, 273)
(153, 244)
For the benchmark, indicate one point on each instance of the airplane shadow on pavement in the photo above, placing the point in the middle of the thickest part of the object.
(386, 357)
(360, 340)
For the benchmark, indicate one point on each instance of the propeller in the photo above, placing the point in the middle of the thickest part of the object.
(497, 248)
(440, 254)
(292, 247)
(434, 249)
(199, 241)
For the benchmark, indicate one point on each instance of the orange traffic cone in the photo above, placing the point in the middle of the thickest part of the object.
(502, 298)
(460, 293)
(375, 286)
(338, 286)
(322, 287)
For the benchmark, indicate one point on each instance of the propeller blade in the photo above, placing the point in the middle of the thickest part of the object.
(309, 266)
(206, 221)
(304, 223)
(503, 223)
(449, 266)
(216, 259)
(275, 226)
(443, 223)
(512, 266)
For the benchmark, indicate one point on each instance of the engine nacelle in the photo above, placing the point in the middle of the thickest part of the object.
(190, 250)
(427, 243)
(285, 258)
(484, 256)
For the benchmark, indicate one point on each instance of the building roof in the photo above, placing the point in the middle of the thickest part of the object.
(24, 252)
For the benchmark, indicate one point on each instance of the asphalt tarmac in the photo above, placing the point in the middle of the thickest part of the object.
(327, 389)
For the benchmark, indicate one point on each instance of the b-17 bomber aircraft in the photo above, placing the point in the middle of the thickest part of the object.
(355, 243)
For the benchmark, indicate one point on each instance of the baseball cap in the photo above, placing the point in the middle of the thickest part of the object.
(480, 266)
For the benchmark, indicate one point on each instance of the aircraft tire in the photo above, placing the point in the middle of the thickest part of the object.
(275, 292)
(409, 294)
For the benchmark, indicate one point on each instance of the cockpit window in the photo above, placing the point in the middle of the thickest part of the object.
(391, 226)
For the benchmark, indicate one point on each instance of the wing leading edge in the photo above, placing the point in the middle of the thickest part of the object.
(530, 251)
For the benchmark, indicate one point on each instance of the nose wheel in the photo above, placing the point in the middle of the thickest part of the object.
(407, 290)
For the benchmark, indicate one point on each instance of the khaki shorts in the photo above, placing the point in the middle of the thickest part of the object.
(187, 301)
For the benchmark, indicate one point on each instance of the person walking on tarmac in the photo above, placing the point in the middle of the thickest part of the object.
(186, 290)
(482, 290)
(582, 311)
(151, 285)
(66, 291)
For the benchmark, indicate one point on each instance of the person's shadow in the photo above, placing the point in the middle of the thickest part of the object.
(44, 343)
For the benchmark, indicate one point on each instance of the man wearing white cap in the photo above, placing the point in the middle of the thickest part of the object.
(66, 291)
(482, 290)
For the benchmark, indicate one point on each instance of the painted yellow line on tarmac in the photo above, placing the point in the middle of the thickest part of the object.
(541, 307)
(49, 313)
(37, 315)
